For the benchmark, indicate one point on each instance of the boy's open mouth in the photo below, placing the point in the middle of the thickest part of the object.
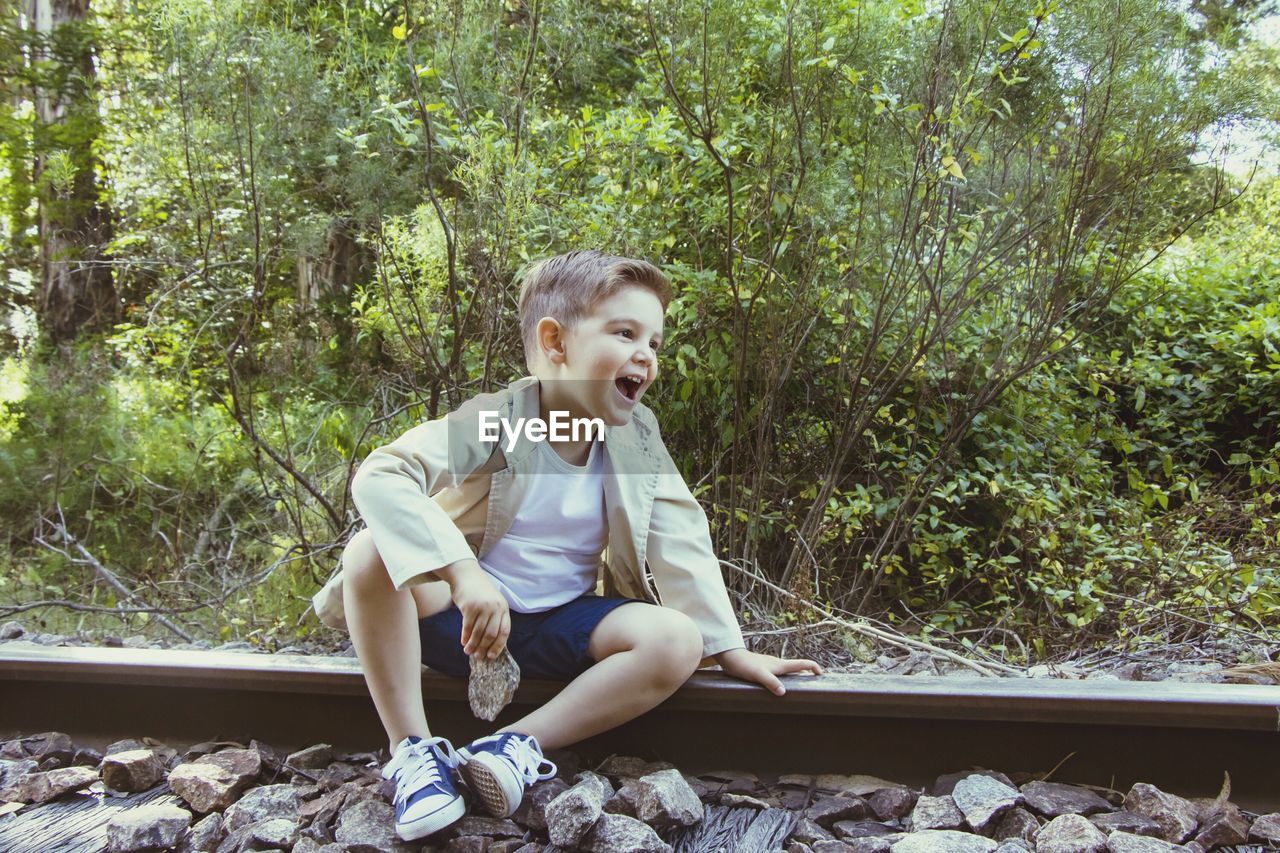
(629, 387)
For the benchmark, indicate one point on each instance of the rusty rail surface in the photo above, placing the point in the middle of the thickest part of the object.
(1179, 736)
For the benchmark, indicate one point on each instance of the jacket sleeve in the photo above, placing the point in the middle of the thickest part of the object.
(393, 489)
(683, 561)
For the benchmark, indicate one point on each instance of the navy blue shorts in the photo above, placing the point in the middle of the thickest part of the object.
(548, 645)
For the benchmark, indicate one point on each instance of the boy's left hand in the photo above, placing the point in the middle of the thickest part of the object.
(763, 669)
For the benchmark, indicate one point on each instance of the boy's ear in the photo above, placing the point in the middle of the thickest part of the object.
(550, 337)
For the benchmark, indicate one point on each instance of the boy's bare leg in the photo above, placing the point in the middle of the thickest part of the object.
(644, 654)
(383, 623)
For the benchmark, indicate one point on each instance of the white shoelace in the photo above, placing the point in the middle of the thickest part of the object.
(527, 757)
(425, 764)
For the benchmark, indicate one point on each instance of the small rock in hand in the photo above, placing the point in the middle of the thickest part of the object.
(493, 683)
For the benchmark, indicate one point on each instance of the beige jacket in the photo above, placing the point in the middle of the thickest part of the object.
(437, 495)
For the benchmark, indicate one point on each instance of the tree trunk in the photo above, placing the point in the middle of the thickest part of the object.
(328, 279)
(76, 285)
(324, 285)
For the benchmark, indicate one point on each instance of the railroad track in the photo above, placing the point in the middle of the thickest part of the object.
(1181, 737)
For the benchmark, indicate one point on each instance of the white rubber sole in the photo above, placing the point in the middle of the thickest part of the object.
(433, 822)
(484, 778)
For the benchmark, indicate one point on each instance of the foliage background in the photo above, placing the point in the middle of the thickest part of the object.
(973, 335)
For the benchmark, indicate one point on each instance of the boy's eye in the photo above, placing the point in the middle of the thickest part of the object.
(626, 332)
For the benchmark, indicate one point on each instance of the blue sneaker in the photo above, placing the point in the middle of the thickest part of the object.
(499, 767)
(426, 800)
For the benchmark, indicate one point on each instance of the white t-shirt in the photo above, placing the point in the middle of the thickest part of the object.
(551, 553)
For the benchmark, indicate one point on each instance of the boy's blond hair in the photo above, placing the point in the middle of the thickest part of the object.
(569, 286)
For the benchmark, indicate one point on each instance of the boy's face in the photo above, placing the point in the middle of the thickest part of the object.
(611, 358)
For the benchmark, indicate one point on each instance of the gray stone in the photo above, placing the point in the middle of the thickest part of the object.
(664, 799)
(605, 784)
(506, 845)
(86, 756)
(492, 684)
(624, 799)
(871, 843)
(1266, 829)
(533, 808)
(1223, 827)
(1013, 845)
(491, 827)
(244, 764)
(935, 813)
(836, 846)
(856, 785)
(50, 745)
(325, 810)
(11, 630)
(467, 844)
(149, 827)
(934, 840)
(1175, 816)
(892, 803)
(847, 830)
(809, 831)
(369, 826)
(736, 781)
(204, 787)
(727, 799)
(13, 770)
(49, 639)
(1125, 821)
(278, 833)
(625, 767)
(1127, 842)
(613, 832)
(1052, 799)
(335, 774)
(132, 771)
(205, 835)
(982, 799)
(127, 745)
(310, 845)
(1016, 823)
(573, 812)
(316, 757)
(946, 783)
(827, 810)
(1070, 833)
(263, 803)
(36, 788)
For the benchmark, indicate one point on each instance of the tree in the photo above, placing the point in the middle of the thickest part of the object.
(76, 284)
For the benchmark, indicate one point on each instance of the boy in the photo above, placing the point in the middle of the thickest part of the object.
(516, 527)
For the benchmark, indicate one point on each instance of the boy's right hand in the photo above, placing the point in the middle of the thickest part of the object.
(486, 618)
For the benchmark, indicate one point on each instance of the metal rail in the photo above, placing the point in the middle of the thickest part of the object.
(1179, 736)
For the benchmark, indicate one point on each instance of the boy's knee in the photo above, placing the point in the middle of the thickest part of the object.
(679, 644)
(361, 564)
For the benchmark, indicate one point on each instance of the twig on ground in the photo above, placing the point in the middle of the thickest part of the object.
(984, 668)
(103, 572)
(92, 608)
